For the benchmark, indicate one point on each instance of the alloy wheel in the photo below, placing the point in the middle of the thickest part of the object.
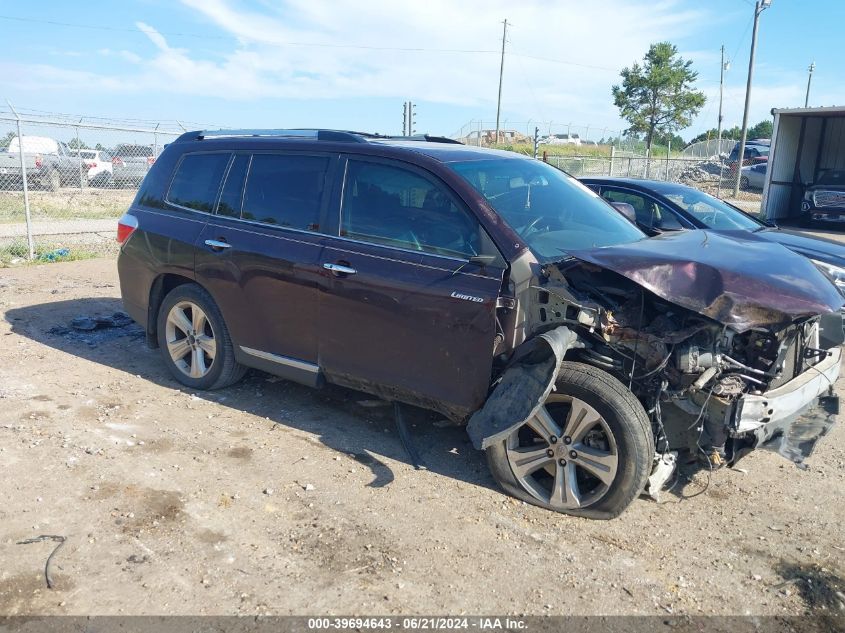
(566, 455)
(190, 339)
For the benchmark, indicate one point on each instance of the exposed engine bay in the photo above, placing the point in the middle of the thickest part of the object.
(723, 358)
(668, 355)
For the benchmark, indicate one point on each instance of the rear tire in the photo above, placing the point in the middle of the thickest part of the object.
(744, 184)
(194, 340)
(598, 470)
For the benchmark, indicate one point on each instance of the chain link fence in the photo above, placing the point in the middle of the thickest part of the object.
(64, 183)
(716, 176)
(482, 133)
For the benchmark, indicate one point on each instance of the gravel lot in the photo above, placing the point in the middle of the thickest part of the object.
(272, 498)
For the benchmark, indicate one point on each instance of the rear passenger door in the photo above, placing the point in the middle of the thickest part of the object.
(403, 310)
(259, 256)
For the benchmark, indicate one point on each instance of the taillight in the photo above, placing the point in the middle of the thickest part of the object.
(150, 160)
(38, 161)
(126, 226)
(117, 161)
(90, 165)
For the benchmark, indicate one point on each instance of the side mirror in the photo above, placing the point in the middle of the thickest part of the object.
(625, 209)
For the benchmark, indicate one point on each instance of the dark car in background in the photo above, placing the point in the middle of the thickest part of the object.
(667, 206)
(485, 285)
(824, 202)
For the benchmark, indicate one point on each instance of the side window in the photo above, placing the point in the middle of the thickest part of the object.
(650, 214)
(286, 190)
(233, 188)
(396, 207)
(197, 181)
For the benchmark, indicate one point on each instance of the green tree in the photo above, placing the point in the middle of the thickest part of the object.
(4, 141)
(72, 144)
(669, 139)
(658, 96)
(762, 130)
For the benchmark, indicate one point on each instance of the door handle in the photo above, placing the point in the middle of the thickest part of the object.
(217, 245)
(340, 269)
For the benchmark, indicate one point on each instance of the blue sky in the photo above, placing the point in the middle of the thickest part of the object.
(351, 64)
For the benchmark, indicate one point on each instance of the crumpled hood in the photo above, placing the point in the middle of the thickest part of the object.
(737, 279)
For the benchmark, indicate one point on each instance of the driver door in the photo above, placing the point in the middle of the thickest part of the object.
(403, 312)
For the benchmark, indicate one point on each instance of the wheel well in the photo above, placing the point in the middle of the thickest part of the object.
(162, 285)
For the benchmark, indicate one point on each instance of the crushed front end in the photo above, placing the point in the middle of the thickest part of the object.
(729, 344)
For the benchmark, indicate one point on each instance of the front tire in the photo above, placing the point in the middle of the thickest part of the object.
(194, 340)
(588, 451)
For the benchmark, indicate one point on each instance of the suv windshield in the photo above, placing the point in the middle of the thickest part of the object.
(551, 211)
(710, 211)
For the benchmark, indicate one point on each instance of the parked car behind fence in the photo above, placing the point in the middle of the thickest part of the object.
(130, 163)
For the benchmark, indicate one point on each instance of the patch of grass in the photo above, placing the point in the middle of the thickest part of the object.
(16, 254)
(66, 204)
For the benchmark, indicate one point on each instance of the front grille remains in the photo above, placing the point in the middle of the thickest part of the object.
(829, 199)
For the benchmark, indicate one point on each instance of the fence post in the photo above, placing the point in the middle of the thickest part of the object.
(629, 166)
(668, 152)
(29, 240)
(612, 156)
(79, 154)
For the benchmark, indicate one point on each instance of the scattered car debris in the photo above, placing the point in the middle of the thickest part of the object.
(87, 323)
(98, 328)
(54, 255)
(405, 436)
(47, 537)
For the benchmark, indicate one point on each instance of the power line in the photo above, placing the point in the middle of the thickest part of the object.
(206, 36)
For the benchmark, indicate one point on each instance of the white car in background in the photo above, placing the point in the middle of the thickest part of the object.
(563, 139)
(99, 165)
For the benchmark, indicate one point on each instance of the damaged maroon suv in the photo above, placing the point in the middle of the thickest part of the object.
(487, 286)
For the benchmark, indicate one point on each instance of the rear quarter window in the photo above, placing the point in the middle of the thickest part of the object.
(285, 190)
(197, 181)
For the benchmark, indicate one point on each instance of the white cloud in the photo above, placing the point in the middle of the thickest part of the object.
(265, 56)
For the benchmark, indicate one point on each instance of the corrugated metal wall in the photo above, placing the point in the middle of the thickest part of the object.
(782, 197)
(782, 166)
(833, 152)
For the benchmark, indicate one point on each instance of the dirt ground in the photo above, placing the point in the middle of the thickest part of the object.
(270, 498)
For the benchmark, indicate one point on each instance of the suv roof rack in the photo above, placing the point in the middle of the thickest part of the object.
(338, 136)
(425, 138)
(342, 136)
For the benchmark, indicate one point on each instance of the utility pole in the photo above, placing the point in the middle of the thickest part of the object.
(409, 118)
(809, 81)
(759, 7)
(725, 66)
(501, 72)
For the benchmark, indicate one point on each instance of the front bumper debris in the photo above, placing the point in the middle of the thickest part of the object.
(793, 417)
(786, 401)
